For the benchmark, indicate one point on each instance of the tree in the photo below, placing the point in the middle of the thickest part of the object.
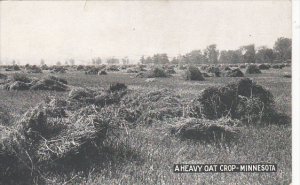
(230, 57)
(71, 61)
(96, 61)
(149, 60)
(42, 62)
(174, 60)
(160, 58)
(283, 49)
(248, 53)
(212, 54)
(196, 57)
(264, 55)
(66, 62)
(125, 61)
(58, 63)
(142, 60)
(13, 62)
(112, 61)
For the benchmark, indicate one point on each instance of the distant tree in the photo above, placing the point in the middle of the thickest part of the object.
(212, 54)
(230, 57)
(125, 61)
(66, 62)
(148, 60)
(13, 62)
(112, 61)
(195, 57)
(174, 60)
(58, 63)
(283, 49)
(248, 53)
(264, 55)
(160, 58)
(42, 62)
(96, 61)
(142, 60)
(72, 61)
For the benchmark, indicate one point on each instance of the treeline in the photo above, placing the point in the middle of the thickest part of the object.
(281, 52)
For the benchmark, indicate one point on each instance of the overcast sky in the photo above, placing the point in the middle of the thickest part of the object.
(55, 30)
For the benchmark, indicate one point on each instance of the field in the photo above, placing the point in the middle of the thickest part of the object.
(146, 154)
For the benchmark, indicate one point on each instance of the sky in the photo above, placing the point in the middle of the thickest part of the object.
(59, 30)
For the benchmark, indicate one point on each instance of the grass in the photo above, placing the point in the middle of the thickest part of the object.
(146, 154)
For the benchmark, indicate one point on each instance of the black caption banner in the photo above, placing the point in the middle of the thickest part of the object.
(204, 168)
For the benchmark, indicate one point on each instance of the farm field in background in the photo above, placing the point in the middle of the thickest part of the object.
(146, 153)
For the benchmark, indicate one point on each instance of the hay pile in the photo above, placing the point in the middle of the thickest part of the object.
(170, 70)
(253, 69)
(50, 83)
(19, 81)
(3, 76)
(92, 71)
(79, 97)
(33, 69)
(147, 108)
(214, 70)
(193, 73)
(243, 100)
(234, 73)
(58, 69)
(52, 132)
(264, 66)
(80, 68)
(102, 72)
(278, 66)
(242, 66)
(112, 68)
(221, 130)
(13, 68)
(154, 73)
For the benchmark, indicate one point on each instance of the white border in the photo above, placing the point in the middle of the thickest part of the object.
(296, 93)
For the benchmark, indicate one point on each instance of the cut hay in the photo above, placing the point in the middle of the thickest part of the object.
(157, 73)
(112, 68)
(50, 83)
(253, 69)
(193, 73)
(18, 85)
(117, 87)
(33, 69)
(92, 71)
(148, 108)
(287, 75)
(39, 139)
(13, 68)
(57, 69)
(102, 73)
(21, 77)
(3, 76)
(208, 131)
(277, 66)
(234, 73)
(20, 81)
(242, 66)
(214, 70)
(171, 71)
(5, 117)
(82, 96)
(264, 66)
(243, 100)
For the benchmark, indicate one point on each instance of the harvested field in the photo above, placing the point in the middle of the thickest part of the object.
(116, 126)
